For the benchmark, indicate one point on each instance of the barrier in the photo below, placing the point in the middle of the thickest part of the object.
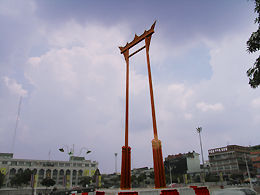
(169, 192)
(191, 190)
(84, 193)
(126, 193)
(99, 193)
(186, 191)
(149, 192)
(201, 191)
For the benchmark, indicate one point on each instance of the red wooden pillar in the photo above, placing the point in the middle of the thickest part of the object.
(125, 181)
(159, 172)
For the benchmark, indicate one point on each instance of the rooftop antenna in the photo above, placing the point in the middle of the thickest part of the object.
(16, 123)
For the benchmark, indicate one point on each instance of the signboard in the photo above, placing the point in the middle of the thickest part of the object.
(3, 171)
(86, 172)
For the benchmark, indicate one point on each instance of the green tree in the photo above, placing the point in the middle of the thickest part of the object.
(253, 45)
(85, 181)
(2, 177)
(211, 178)
(48, 182)
(21, 178)
(141, 178)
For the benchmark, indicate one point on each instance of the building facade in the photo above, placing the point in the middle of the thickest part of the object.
(64, 173)
(190, 162)
(255, 157)
(186, 165)
(229, 160)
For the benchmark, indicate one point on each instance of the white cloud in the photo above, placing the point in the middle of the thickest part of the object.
(14, 87)
(179, 95)
(255, 102)
(209, 107)
(15, 8)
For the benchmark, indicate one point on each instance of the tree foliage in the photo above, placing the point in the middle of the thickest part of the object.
(2, 177)
(23, 177)
(253, 45)
(48, 182)
(141, 177)
(85, 181)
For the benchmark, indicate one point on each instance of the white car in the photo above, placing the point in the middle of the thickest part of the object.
(235, 191)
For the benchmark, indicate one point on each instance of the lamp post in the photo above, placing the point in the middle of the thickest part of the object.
(70, 152)
(248, 172)
(199, 129)
(170, 173)
(115, 163)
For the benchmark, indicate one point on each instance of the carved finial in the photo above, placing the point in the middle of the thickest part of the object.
(121, 48)
(152, 27)
(136, 36)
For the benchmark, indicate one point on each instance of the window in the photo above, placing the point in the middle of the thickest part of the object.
(28, 163)
(213, 169)
(227, 167)
(14, 163)
(4, 162)
(234, 167)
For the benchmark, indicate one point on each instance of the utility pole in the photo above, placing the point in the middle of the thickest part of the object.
(115, 163)
(248, 172)
(170, 172)
(16, 123)
(199, 129)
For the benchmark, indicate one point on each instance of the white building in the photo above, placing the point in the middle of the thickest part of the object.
(64, 173)
(193, 163)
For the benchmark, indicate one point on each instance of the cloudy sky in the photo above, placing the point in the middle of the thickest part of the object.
(62, 58)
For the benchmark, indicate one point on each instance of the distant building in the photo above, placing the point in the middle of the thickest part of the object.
(255, 157)
(143, 177)
(64, 173)
(191, 161)
(229, 160)
(180, 164)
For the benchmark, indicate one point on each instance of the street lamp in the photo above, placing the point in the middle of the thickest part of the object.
(248, 172)
(170, 173)
(199, 129)
(70, 152)
(115, 163)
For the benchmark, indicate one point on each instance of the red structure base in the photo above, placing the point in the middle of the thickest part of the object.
(159, 172)
(126, 168)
